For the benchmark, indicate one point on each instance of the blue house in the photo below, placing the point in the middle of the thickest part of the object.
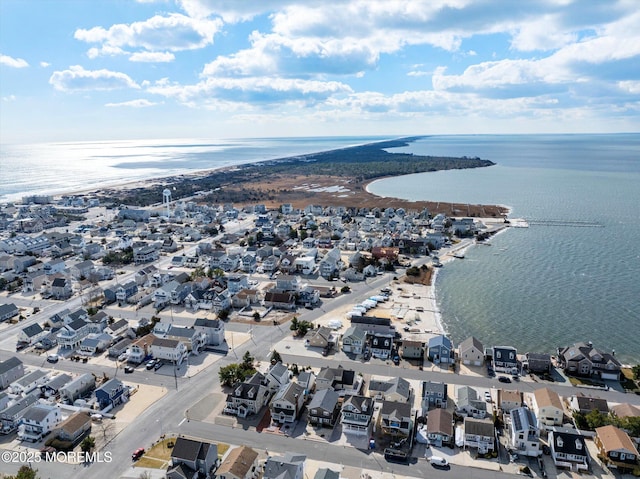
(440, 350)
(111, 393)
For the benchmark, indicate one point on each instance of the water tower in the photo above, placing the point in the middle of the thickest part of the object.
(166, 201)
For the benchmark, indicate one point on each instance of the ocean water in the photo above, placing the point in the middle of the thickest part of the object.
(574, 274)
(54, 168)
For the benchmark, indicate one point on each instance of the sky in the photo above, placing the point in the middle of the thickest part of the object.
(147, 69)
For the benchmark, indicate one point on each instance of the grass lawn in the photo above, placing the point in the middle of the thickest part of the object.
(159, 455)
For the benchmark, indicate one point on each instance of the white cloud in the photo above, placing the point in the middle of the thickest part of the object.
(174, 32)
(140, 103)
(45, 64)
(152, 57)
(76, 78)
(630, 86)
(9, 98)
(13, 62)
(418, 73)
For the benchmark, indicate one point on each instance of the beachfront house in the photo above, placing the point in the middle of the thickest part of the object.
(582, 359)
(505, 359)
(471, 352)
(440, 349)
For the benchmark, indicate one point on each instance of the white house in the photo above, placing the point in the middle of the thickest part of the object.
(169, 349)
(38, 421)
(524, 435)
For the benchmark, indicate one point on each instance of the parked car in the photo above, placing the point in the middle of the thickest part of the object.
(53, 358)
(487, 396)
(504, 379)
(157, 365)
(137, 454)
(128, 369)
(438, 461)
(396, 360)
(151, 364)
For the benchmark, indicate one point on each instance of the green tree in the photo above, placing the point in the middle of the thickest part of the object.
(87, 444)
(25, 472)
(596, 419)
(294, 324)
(228, 374)
(247, 360)
(275, 357)
(256, 316)
(636, 371)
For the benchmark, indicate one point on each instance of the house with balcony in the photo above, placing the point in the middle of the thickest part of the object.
(112, 393)
(479, 434)
(171, 350)
(212, 329)
(286, 405)
(354, 340)
(38, 421)
(616, 449)
(343, 381)
(582, 359)
(509, 400)
(79, 387)
(548, 408)
(469, 404)
(524, 435)
(505, 359)
(381, 345)
(126, 291)
(11, 416)
(324, 408)
(395, 419)
(434, 395)
(32, 334)
(569, 449)
(396, 389)
(61, 288)
(537, 362)
(237, 282)
(357, 414)
(52, 387)
(239, 463)
(71, 335)
(248, 397)
(440, 427)
(278, 376)
(11, 370)
(29, 382)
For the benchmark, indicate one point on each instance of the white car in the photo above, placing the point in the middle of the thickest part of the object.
(487, 396)
(438, 461)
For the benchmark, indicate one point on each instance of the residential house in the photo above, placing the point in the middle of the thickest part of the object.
(396, 389)
(307, 379)
(192, 458)
(126, 291)
(440, 349)
(245, 298)
(8, 311)
(221, 301)
(32, 334)
(324, 408)
(52, 387)
(537, 362)
(509, 399)
(440, 427)
(145, 254)
(617, 447)
(71, 335)
(248, 397)
(29, 382)
(356, 414)
(213, 330)
(79, 387)
(286, 405)
(277, 300)
(81, 270)
(74, 428)
(10, 417)
(468, 403)
(353, 340)
(395, 419)
(61, 288)
(117, 328)
(479, 434)
(285, 283)
(278, 376)
(193, 339)
(569, 449)
(322, 337)
(471, 352)
(412, 349)
(548, 407)
(433, 395)
(54, 266)
(239, 463)
(171, 350)
(237, 282)
(112, 393)
(585, 404)
(140, 349)
(120, 347)
(582, 359)
(524, 435)
(505, 359)
(95, 343)
(625, 410)
(38, 421)
(373, 325)
(344, 381)
(381, 345)
(289, 466)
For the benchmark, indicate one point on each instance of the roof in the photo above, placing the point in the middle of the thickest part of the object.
(588, 403)
(165, 342)
(626, 410)
(8, 308)
(324, 399)
(190, 449)
(111, 385)
(238, 462)
(289, 393)
(9, 364)
(396, 409)
(440, 340)
(74, 422)
(325, 473)
(208, 323)
(284, 467)
(396, 385)
(523, 419)
(471, 342)
(440, 420)
(433, 387)
(479, 427)
(568, 442)
(38, 412)
(545, 397)
(613, 439)
(508, 395)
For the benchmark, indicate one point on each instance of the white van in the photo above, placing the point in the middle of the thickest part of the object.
(438, 461)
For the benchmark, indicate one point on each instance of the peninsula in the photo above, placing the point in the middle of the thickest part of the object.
(333, 178)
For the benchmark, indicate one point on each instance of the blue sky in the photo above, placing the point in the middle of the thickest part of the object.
(115, 69)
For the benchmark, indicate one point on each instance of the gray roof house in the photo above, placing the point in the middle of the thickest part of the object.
(287, 403)
(433, 395)
(324, 408)
(479, 434)
(10, 371)
(289, 466)
(394, 389)
(468, 403)
(192, 458)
